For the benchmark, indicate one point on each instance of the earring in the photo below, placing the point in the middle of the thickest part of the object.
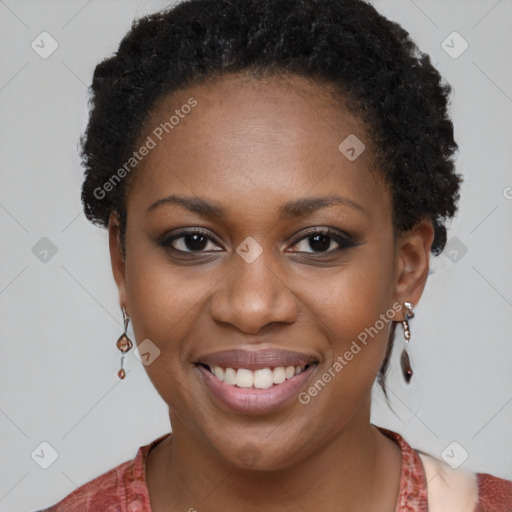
(124, 343)
(405, 363)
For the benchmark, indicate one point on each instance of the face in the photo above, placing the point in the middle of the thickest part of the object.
(260, 260)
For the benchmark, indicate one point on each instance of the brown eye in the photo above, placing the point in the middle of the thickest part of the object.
(322, 241)
(190, 241)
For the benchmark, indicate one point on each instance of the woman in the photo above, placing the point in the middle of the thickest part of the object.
(273, 176)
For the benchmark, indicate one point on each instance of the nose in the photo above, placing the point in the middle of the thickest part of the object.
(252, 295)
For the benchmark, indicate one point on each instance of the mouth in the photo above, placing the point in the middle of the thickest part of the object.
(262, 378)
(255, 382)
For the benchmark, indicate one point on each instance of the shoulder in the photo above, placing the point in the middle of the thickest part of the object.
(105, 492)
(454, 489)
(495, 494)
(121, 489)
(448, 488)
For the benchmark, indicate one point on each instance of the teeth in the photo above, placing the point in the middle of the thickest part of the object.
(244, 378)
(230, 376)
(219, 372)
(279, 375)
(290, 372)
(264, 378)
(260, 379)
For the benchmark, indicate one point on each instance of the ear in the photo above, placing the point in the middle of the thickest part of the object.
(117, 258)
(412, 262)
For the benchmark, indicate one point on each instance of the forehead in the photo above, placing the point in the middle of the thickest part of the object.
(263, 140)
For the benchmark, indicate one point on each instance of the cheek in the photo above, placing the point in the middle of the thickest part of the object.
(164, 305)
(353, 298)
(354, 312)
(163, 300)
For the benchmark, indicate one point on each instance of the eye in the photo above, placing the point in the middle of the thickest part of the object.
(321, 240)
(190, 241)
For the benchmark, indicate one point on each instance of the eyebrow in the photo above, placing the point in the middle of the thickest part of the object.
(295, 208)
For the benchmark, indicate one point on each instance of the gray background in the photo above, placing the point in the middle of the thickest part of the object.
(60, 317)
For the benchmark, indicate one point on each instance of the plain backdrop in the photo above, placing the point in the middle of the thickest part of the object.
(59, 312)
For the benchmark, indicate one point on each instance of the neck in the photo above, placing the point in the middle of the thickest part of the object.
(351, 471)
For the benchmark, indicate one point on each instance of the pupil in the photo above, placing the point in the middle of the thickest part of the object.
(195, 242)
(319, 242)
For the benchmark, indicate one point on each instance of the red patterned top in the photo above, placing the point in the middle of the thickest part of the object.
(124, 489)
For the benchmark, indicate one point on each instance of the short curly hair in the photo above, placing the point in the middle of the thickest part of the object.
(372, 62)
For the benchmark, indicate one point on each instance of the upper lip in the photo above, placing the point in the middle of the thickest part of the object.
(256, 359)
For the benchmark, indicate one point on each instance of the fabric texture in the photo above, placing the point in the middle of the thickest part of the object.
(124, 488)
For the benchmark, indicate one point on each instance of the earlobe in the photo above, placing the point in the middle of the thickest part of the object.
(413, 261)
(116, 257)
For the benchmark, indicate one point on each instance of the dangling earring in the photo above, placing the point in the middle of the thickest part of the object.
(405, 363)
(123, 343)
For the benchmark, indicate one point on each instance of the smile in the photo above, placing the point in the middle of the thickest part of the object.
(258, 379)
(254, 382)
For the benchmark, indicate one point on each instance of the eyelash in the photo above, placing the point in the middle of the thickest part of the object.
(344, 241)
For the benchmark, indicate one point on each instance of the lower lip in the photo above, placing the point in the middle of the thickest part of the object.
(253, 400)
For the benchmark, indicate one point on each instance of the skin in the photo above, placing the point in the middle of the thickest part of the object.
(251, 146)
